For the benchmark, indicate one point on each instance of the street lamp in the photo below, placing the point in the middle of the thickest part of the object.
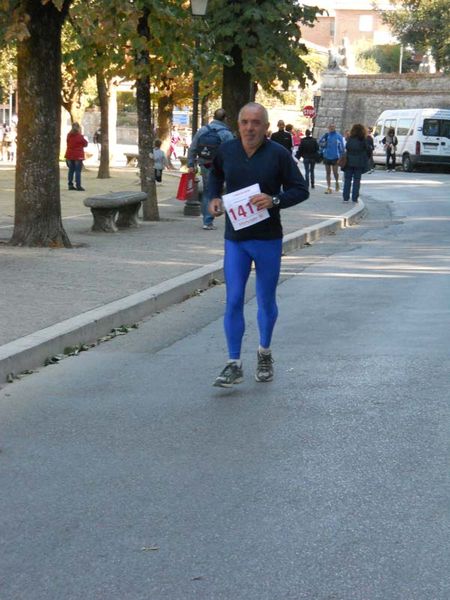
(198, 9)
(192, 206)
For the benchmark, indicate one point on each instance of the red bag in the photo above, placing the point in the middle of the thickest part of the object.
(186, 186)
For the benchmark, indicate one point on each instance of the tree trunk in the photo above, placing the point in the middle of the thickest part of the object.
(237, 89)
(145, 129)
(37, 219)
(103, 96)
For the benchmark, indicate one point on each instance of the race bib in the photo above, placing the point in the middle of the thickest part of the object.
(241, 212)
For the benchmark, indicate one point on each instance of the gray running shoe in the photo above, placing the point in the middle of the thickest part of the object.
(230, 375)
(264, 368)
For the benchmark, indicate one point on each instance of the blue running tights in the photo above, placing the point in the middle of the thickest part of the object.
(266, 254)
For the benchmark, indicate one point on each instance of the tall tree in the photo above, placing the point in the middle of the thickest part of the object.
(424, 24)
(36, 24)
(262, 38)
(96, 35)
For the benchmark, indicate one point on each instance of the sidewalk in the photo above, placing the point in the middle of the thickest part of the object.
(51, 299)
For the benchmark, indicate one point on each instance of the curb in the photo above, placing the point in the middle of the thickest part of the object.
(31, 351)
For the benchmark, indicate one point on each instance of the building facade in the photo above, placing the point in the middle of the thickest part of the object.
(350, 20)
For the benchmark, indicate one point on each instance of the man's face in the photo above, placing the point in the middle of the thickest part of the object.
(252, 127)
(331, 128)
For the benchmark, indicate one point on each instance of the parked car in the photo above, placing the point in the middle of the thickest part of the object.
(423, 136)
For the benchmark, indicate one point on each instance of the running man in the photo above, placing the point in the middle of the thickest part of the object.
(253, 159)
(332, 145)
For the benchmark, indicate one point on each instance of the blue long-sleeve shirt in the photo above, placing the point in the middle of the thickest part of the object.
(273, 167)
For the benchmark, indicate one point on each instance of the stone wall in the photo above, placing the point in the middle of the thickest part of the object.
(347, 99)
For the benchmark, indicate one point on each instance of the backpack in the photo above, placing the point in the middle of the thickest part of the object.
(208, 143)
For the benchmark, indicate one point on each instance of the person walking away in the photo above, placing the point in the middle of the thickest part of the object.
(76, 143)
(358, 152)
(308, 150)
(252, 160)
(160, 161)
(202, 151)
(371, 142)
(282, 136)
(390, 142)
(332, 148)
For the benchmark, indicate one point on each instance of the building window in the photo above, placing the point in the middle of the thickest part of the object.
(365, 22)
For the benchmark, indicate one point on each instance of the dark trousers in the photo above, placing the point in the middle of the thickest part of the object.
(352, 181)
(309, 164)
(390, 156)
(75, 167)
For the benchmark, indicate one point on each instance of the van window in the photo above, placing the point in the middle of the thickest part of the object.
(404, 126)
(445, 128)
(431, 127)
(378, 127)
(388, 124)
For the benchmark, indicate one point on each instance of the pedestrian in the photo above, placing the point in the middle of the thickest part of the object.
(97, 139)
(296, 139)
(309, 151)
(7, 142)
(332, 148)
(174, 141)
(203, 149)
(159, 160)
(282, 136)
(290, 130)
(74, 156)
(252, 160)
(357, 154)
(371, 142)
(390, 142)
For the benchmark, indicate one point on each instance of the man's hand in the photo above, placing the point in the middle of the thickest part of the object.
(262, 201)
(215, 207)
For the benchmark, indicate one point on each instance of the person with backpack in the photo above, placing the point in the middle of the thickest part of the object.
(332, 146)
(309, 151)
(390, 142)
(202, 151)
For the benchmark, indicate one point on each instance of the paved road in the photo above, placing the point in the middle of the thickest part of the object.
(125, 475)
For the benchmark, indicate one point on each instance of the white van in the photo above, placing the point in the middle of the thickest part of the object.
(423, 136)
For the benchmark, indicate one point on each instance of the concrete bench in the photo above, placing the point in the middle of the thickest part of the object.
(105, 208)
(132, 159)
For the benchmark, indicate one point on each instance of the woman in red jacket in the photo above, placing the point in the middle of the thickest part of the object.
(75, 156)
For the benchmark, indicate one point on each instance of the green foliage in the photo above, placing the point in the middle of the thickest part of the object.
(268, 34)
(387, 58)
(423, 24)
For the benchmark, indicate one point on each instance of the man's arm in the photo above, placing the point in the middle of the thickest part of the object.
(192, 151)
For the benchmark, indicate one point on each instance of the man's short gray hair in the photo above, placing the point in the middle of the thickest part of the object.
(259, 107)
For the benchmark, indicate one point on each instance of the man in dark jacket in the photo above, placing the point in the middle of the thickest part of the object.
(253, 231)
(282, 136)
(309, 151)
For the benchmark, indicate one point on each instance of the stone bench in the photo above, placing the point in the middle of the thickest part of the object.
(132, 158)
(105, 208)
